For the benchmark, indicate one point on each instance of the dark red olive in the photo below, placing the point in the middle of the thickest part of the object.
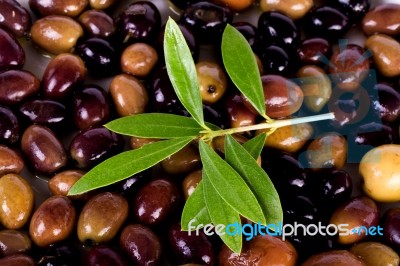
(353, 9)
(215, 115)
(45, 112)
(314, 51)
(130, 186)
(9, 126)
(374, 134)
(93, 146)
(238, 114)
(16, 86)
(11, 53)
(206, 20)
(387, 103)
(14, 18)
(196, 249)
(391, 226)
(250, 32)
(277, 60)
(104, 256)
(139, 22)
(90, 107)
(141, 245)
(97, 23)
(327, 22)
(155, 202)
(17, 260)
(99, 56)
(278, 29)
(64, 254)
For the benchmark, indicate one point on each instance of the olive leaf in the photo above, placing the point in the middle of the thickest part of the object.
(256, 178)
(126, 164)
(230, 185)
(241, 66)
(182, 71)
(222, 213)
(255, 145)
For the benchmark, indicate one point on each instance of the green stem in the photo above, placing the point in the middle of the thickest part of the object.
(274, 124)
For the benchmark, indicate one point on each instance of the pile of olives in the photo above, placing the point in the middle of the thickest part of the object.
(104, 60)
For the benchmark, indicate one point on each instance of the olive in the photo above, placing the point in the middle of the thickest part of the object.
(12, 55)
(353, 9)
(44, 151)
(15, 18)
(14, 242)
(277, 29)
(141, 245)
(71, 8)
(277, 60)
(185, 160)
(359, 212)
(261, 251)
(129, 95)
(374, 253)
(327, 22)
(17, 86)
(300, 209)
(206, 20)
(250, 32)
(61, 183)
(139, 22)
(294, 9)
(90, 106)
(212, 81)
(47, 113)
(237, 112)
(10, 161)
(104, 256)
(387, 103)
(17, 260)
(156, 201)
(214, 114)
(137, 143)
(138, 59)
(190, 182)
(374, 134)
(101, 4)
(314, 51)
(62, 75)
(182, 4)
(53, 221)
(97, 23)
(94, 145)
(391, 226)
(383, 18)
(9, 126)
(190, 248)
(130, 186)
(334, 258)
(56, 34)
(99, 56)
(60, 254)
(237, 5)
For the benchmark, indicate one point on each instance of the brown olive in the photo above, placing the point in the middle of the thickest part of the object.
(63, 73)
(61, 183)
(101, 217)
(17, 85)
(219, 142)
(13, 242)
(16, 199)
(129, 95)
(292, 8)
(237, 5)
(334, 258)
(184, 161)
(12, 56)
(141, 245)
(384, 18)
(56, 34)
(101, 4)
(14, 18)
(137, 143)
(71, 8)
(53, 221)
(238, 114)
(212, 80)
(97, 23)
(44, 151)
(17, 260)
(375, 254)
(190, 182)
(360, 214)
(138, 59)
(155, 202)
(10, 161)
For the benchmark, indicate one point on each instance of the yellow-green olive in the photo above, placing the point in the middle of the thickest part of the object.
(212, 80)
(375, 254)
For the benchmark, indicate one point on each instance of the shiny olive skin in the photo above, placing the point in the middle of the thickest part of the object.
(17, 260)
(10, 161)
(333, 258)
(62, 75)
(383, 18)
(93, 146)
(327, 22)
(71, 8)
(355, 10)
(44, 151)
(277, 60)
(387, 103)
(312, 50)
(15, 18)
(155, 202)
(374, 134)
(61, 183)
(14, 242)
(97, 23)
(141, 245)
(192, 248)
(99, 56)
(47, 113)
(12, 56)
(250, 32)
(206, 20)
(139, 22)
(16, 86)
(9, 126)
(90, 106)
(138, 59)
(391, 226)
(300, 209)
(276, 28)
(238, 114)
(104, 256)
(63, 254)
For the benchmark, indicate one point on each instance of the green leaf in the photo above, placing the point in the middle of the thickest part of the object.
(255, 145)
(221, 213)
(182, 71)
(195, 210)
(229, 185)
(241, 65)
(256, 178)
(126, 164)
(155, 125)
